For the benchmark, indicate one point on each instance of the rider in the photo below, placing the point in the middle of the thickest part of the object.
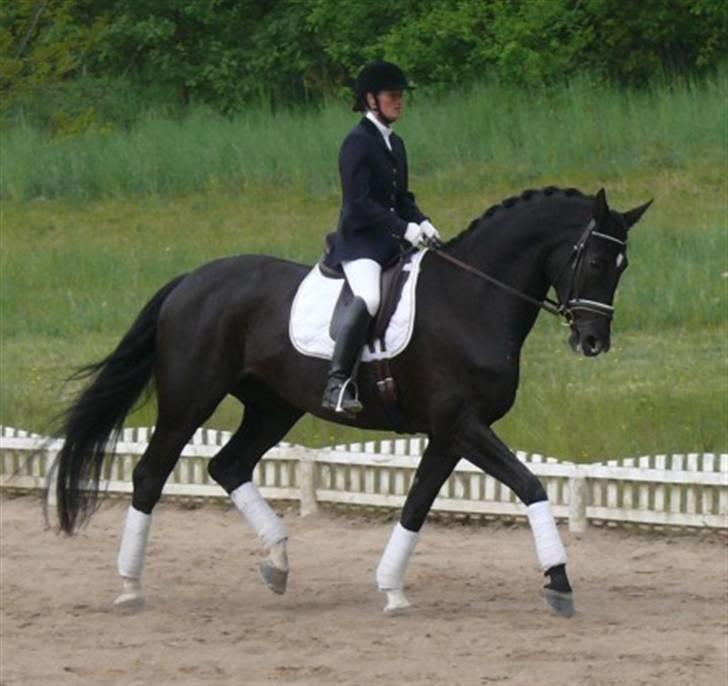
(377, 212)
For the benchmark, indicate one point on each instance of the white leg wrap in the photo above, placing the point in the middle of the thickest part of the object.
(267, 524)
(392, 566)
(134, 543)
(549, 548)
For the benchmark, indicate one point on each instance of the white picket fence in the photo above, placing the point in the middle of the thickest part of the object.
(685, 490)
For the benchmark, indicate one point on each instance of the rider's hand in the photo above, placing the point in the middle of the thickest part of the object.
(413, 233)
(429, 233)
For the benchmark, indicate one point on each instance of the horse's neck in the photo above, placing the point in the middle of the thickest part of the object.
(514, 254)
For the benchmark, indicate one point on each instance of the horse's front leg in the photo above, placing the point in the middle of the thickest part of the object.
(271, 531)
(484, 449)
(434, 468)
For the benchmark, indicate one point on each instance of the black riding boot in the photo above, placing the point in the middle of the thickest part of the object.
(341, 393)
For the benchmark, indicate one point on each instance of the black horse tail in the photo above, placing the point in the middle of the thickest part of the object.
(99, 411)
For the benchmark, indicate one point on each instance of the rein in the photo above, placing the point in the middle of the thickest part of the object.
(558, 309)
(547, 304)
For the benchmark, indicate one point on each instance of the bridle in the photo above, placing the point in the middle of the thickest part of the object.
(561, 308)
(573, 301)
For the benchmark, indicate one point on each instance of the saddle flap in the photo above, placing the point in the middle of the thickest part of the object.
(392, 282)
(313, 307)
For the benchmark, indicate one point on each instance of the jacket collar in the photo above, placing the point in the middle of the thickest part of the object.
(386, 131)
(372, 129)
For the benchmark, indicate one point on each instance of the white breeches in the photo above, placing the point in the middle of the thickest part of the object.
(364, 277)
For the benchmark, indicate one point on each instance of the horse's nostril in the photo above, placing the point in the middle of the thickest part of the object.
(592, 345)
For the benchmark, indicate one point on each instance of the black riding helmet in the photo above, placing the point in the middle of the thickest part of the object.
(376, 77)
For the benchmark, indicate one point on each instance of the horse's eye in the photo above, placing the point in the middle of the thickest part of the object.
(597, 263)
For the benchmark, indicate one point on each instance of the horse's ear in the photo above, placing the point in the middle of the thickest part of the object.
(601, 209)
(631, 217)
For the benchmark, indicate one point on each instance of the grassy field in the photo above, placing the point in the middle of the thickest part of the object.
(488, 133)
(91, 226)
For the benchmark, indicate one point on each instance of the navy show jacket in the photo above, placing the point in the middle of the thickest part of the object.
(376, 202)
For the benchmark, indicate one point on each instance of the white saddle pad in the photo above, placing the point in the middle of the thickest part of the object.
(313, 308)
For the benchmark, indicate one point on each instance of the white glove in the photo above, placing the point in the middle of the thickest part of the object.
(429, 232)
(413, 233)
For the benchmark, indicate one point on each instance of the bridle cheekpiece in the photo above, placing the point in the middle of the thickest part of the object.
(572, 302)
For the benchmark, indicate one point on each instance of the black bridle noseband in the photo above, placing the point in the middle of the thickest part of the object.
(562, 308)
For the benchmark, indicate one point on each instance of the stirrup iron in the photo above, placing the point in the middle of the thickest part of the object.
(342, 393)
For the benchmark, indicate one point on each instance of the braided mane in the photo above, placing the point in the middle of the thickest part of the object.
(514, 200)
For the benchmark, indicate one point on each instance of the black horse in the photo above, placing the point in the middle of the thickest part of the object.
(223, 330)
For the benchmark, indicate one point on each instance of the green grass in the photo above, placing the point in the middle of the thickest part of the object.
(651, 394)
(488, 133)
(89, 267)
(74, 276)
(92, 226)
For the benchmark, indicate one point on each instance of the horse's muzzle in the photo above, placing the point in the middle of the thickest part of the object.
(588, 342)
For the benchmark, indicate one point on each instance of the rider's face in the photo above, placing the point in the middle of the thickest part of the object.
(391, 103)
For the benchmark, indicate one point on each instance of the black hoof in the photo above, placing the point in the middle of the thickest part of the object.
(558, 579)
(275, 579)
(558, 593)
(561, 603)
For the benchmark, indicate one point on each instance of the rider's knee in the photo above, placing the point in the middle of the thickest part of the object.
(371, 300)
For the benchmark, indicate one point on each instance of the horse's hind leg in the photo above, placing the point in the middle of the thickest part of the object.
(267, 420)
(179, 416)
(149, 477)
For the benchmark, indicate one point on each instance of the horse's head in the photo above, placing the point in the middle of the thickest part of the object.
(588, 280)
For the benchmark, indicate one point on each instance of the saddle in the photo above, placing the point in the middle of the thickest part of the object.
(393, 279)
